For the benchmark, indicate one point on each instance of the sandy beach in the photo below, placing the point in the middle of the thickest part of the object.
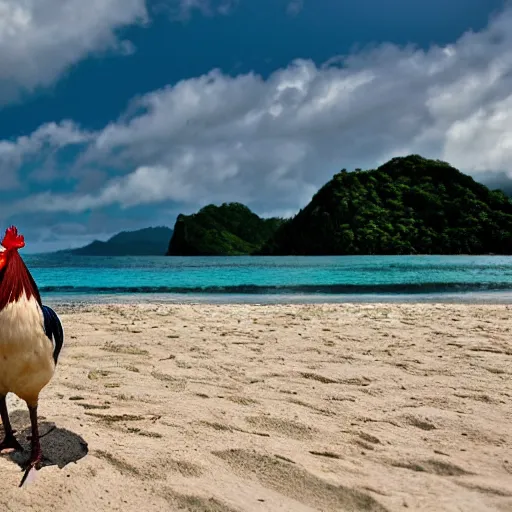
(274, 408)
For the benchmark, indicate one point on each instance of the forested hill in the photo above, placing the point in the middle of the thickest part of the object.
(226, 230)
(410, 205)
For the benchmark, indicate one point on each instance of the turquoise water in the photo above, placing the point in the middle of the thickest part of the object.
(273, 279)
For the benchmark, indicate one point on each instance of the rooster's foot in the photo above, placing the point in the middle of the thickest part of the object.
(9, 445)
(35, 464)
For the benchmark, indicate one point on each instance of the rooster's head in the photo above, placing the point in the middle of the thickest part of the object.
(12, 242)
(15, 278)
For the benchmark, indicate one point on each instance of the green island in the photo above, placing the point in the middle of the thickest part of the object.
(142, 242)
(409, 205)
(228, 230)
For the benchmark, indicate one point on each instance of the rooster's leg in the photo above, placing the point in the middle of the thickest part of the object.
(9, 444)
(36, 455)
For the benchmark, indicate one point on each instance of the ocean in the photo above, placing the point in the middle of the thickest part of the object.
(286, 279)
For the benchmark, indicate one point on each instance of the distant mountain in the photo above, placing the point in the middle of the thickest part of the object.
(143, 242)
(226, 230)
(410, 205)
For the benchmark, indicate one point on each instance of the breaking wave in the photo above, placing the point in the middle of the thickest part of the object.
(326, 289)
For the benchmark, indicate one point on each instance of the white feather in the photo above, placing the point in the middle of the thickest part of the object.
(26, 362)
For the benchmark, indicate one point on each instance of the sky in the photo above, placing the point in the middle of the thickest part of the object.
(121, 114)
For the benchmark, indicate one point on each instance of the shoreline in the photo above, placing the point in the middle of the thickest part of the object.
(491, 298)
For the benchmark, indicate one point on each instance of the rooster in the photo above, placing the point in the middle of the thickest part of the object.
(31, 338)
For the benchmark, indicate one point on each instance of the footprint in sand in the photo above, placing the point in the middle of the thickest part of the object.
(433, 466)
(297, 483)
(484, 489)
(195, 503)
(170, 381)
(282, 426)
(122, 466)
(318, 378)
(181, 467)
(419, 423)
(131, 350)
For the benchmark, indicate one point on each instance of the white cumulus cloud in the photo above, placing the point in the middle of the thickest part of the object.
(47, 138)
(40, 39)
(272, 142)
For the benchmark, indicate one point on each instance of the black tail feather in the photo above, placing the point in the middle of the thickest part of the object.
(53, 329)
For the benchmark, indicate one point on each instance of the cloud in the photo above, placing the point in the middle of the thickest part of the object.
(272, 142)
(46, 139)
(40, 39)
(144, 185)
(184, 9)
(488, 131)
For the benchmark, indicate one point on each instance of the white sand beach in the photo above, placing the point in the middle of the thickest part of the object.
(274, 408)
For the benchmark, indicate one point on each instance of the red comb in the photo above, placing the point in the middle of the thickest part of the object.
(12, 240)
